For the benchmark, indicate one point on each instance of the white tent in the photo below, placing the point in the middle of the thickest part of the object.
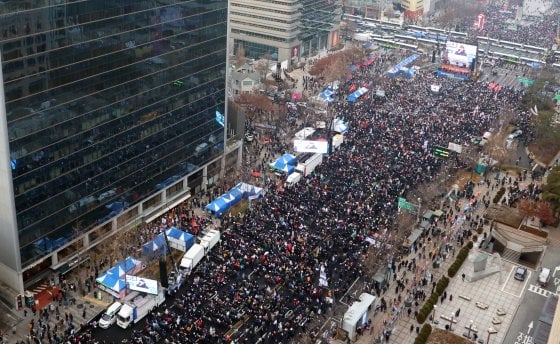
(356, 315)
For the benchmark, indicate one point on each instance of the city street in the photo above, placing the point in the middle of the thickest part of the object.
(533, 299)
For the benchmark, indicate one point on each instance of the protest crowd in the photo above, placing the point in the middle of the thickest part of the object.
(263, 278)
(261, 284)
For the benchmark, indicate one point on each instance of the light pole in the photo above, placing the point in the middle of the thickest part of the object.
(491, 331)
(470, 328)
(434, 314)
(419, 209)
(451, 322)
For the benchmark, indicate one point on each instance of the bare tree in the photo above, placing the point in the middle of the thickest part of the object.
(240, 58)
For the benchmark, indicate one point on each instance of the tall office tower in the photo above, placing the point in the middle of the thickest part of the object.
(413, 9)
(111, 113)
(284, 30)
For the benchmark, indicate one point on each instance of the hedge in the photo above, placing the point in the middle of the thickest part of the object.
(461, 256)
(424, 334)
(428, 306)
(499, 195)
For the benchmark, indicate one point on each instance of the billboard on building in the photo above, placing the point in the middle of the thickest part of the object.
(480, 21)
(141, 284)
(459, 54)
(302, 146)
(334, 41)
(295, 53)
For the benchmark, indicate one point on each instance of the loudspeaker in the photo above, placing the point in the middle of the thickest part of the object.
(163, 273)
(473, 64)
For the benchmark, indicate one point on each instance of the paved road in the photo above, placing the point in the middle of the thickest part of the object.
(532, 302)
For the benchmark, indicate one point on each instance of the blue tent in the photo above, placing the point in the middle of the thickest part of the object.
(155, 247)
(249, 190)
(233, 196)
(281, 165)
(289, 159)
(352, 97)
(327, 95)
(125, 266)
(111, 281)
(218, 206)
(179, 239)
(340, 126)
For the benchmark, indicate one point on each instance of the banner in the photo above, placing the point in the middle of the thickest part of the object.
(455, 147)
(141, 284)
(403, 204)
(302, 146)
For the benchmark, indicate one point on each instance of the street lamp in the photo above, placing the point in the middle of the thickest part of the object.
(470, 328)
(491, 331)
(419, 209)
(451, 322)
(434, 314)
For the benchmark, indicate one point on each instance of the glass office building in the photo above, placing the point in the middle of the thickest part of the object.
(112, 109)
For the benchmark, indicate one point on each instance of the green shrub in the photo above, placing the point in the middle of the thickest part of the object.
(424, 334)
(461, 256)
(475, 238)
(499, 195)
(479, 230)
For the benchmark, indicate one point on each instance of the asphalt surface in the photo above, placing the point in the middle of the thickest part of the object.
(532, 301)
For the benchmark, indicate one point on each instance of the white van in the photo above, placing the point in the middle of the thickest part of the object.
(293, 178)
(110, 315)
(544, 277)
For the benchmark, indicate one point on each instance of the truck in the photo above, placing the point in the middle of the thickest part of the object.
(293, 178)
(193, 256)
(137, 305)
(307, 166)
(210, 239)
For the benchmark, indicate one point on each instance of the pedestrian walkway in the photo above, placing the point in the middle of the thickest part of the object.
(488, 302)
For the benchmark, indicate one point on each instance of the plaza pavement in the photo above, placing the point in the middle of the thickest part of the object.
(498, 291)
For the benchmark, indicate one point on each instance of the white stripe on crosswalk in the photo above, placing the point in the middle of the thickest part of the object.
(538, 290)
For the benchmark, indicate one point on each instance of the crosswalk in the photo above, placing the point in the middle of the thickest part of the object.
(538, 290)
(40, 288)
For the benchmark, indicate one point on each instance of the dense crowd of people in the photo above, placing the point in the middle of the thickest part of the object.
(263, 280)
(501, 23)
(300, 247)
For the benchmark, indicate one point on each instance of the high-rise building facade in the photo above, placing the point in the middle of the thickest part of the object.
(413, 9)
(111, 111)
(284, 30)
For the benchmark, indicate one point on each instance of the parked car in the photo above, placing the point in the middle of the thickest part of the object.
(520, 273)
(544, 277)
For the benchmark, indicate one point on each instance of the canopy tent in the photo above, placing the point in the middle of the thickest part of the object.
(280, 165)
(240, 191)
(129, 266)
(155, 248)
(327, 95)
(111, 281)
(557, 97)
(393, 72)
(406, 61)
(218, 206)
(249, 190)
(285, 163)
(232, 196)
(339, 126)
(357, 94)
(179, 239)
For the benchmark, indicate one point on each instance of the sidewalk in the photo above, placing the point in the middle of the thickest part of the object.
(484, 291)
